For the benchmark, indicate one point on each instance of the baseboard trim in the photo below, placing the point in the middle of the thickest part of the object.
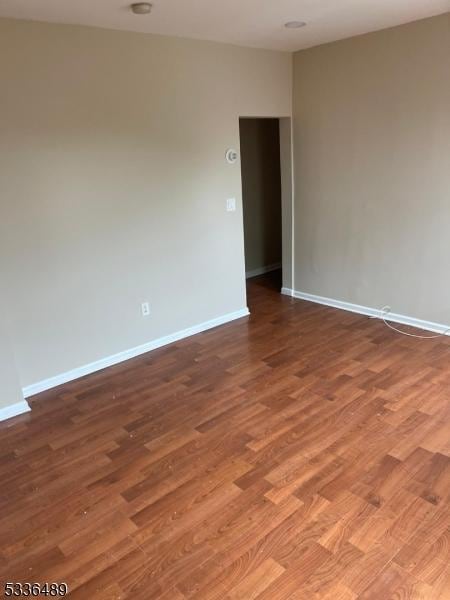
(287, 292)
(109, 361)
(368, 311)
(13, 410)
(262, 270)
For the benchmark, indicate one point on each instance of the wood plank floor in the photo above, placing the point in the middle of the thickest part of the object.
(302, 453)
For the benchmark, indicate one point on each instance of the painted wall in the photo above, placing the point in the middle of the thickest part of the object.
(10, 388)
(372, 169)
(113, 180)
(113, 185)
(261, 192)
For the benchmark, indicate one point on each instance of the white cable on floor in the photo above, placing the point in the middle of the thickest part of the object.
(387, 309)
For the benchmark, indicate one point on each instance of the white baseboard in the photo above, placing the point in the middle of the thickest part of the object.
(287, 292)
(370, 312)
(103, 363)
(13, 410)
(262, 270)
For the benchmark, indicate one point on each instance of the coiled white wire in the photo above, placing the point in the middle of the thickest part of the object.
(387, 309)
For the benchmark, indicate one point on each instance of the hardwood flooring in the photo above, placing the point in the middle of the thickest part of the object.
(302, 453)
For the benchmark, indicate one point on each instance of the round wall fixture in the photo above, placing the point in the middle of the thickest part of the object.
(141, 8)
(231, 156)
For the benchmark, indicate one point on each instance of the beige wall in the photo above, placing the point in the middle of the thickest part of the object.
(10, 389)
(261, 191)
(113, 181)
(372, 169)
(113, 185)
(10, 392)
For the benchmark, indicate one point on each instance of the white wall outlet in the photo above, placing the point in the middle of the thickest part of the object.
(145, 307)
(231, 204)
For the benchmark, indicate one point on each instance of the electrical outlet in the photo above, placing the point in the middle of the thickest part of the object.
(231, 204)
(145, 307)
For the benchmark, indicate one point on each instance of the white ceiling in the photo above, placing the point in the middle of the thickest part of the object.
(257, 23)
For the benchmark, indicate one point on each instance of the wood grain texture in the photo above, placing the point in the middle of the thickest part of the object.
(302, 453)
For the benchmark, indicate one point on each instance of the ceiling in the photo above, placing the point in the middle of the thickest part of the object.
(258, 23)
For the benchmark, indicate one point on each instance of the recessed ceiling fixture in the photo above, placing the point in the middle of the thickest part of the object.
(294, 24)
(141, 8)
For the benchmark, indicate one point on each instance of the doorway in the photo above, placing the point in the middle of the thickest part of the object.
(266, 171)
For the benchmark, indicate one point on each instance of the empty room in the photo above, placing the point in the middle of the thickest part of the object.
(225, 299)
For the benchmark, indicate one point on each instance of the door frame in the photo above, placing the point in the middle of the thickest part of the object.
(287, 198)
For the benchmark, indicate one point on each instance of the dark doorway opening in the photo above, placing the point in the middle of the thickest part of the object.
(261, 196)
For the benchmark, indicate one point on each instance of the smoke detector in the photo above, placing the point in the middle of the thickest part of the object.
(141, 8)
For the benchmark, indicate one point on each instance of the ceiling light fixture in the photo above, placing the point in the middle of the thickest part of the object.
(141, 8)
(294, 24)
